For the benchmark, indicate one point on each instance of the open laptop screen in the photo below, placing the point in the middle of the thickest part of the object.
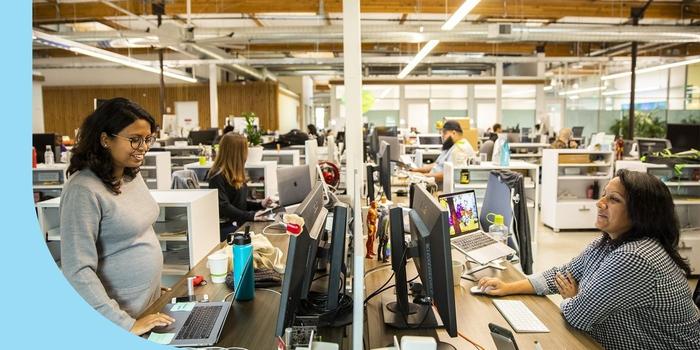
(464, 216)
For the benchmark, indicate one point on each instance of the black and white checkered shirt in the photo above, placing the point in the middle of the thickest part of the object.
(630, 297)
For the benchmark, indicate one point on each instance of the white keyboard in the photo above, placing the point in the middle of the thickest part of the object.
(520, 317)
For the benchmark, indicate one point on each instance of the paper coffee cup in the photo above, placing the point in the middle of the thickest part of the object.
(218, 267)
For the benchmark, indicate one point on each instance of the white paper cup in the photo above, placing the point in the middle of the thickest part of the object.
(457, 269)
(218, 267)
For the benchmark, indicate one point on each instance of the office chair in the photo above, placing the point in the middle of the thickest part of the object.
(696, 294)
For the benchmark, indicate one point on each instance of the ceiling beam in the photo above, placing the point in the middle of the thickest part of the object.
(488, 8)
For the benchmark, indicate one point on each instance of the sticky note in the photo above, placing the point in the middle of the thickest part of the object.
(183, 306)
(161, 338)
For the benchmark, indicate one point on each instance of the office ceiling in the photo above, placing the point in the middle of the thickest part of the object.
(295, 33)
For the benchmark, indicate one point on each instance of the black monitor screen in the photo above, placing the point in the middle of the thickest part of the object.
(430, 140)
(204, 137)
(385, 169)
(683, 137)
(429, 228)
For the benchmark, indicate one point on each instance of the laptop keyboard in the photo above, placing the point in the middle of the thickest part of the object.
(473, 241)
(200, 323)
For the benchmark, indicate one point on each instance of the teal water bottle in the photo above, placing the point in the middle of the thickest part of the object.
(243, 276)
(505, 154)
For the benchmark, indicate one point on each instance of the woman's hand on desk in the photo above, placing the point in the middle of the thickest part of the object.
(267, 202)
(493, 286)
(148, 322)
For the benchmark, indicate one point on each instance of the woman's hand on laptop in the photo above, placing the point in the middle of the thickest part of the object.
(148, 322)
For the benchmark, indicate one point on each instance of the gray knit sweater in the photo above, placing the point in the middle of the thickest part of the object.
(109, 251)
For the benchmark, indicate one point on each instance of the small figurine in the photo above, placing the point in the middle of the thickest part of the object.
(372, 217)
(383, 235)
(619, 148)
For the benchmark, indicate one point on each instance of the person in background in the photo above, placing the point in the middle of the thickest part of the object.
(227, 129)
(227, 175)
(628, 288)
(109, 251)
(314, 134)
(452, 141)
(564, 139)
(497, 129)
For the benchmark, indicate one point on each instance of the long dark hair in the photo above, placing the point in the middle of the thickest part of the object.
(652, 213)
(111, 117)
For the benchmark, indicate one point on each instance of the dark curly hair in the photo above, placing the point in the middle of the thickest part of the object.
(111, 117)
(652, 213)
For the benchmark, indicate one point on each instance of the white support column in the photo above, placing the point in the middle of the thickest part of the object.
(403, 107)
(499, 92)
(471, 105)
(352, 73)
(334, 110)
(540, 103)
(213, 96)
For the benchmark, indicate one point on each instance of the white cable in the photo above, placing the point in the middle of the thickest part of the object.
(264, 230)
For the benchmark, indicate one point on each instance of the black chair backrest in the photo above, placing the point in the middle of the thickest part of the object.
(696, 294)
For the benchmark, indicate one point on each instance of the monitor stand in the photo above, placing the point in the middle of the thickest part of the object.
(418, 315)
(469, 274)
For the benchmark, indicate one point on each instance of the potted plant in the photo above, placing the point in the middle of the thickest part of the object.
(255, 151)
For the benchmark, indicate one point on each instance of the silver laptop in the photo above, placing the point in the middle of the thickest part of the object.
(200, 325)
(293, 184)
(465, 231)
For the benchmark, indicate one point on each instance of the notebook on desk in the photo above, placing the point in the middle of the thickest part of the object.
(196, 324)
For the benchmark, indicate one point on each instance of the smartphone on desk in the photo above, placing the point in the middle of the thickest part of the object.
(502, 337)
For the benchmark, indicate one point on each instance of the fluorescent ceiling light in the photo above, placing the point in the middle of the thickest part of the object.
(109, 56)
(652, 69)
(459, 15)
(626, 92)
(577, 91)
(429, 46)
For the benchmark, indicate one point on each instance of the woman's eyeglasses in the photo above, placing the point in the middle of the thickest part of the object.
(137, 141)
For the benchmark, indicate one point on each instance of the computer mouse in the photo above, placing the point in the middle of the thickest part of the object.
(478, 290)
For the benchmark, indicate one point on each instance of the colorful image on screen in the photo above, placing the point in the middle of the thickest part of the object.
(463, 213)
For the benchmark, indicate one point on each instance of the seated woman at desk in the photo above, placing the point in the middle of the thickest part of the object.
(227, 175)
(628, 289)
(109, 251)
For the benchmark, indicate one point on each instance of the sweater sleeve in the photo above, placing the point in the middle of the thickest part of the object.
(544, 283)
(625, 280)
(226, 208)
(80, 217)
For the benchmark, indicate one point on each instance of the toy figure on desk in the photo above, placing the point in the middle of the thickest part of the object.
(619, 148)
(372, 217)
(383, 234)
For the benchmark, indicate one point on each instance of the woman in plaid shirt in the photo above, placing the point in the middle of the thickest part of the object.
(628, 289)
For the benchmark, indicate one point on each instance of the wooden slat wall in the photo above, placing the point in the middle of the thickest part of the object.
(66, 107)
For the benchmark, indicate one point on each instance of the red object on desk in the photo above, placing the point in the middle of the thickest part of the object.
(198, 279)
(293, 229)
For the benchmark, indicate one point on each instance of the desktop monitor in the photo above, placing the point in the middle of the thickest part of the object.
(293, 183)
(683, 137)
(376, 133)
(651, 145)
(311, 156)
(40, 141)
(392, 141)
(429, 226)
(430, 139)
(204, 137)
(577, 131)
(337, 255)
(297, 260)
(384, 159)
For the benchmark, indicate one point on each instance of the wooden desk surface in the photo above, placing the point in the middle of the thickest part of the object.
(250, 324)
(474, 313)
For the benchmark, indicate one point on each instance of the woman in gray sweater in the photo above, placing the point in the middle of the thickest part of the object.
(109, 251)
(628, 289)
